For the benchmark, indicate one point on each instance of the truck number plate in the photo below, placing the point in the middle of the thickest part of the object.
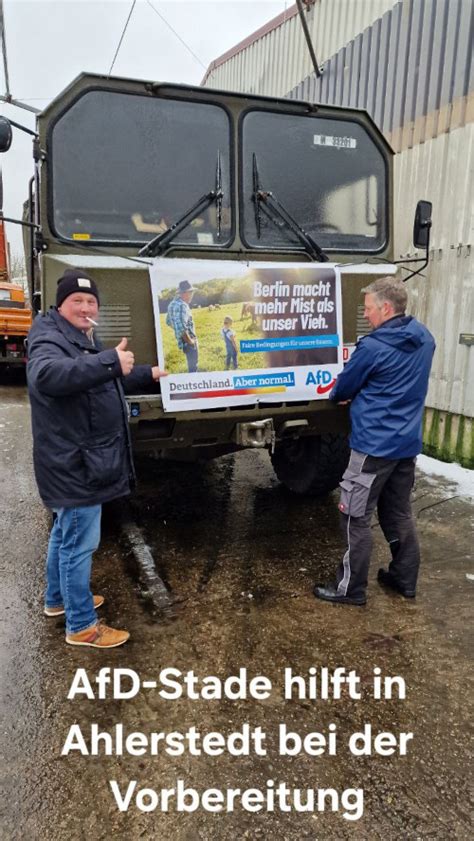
(334, 141)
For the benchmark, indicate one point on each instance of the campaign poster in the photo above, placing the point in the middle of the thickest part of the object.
(235, 333)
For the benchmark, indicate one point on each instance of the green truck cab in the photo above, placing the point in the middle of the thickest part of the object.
(121, 162)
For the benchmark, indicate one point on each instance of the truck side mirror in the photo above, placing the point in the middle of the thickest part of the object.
(5, 134)
(422, 224)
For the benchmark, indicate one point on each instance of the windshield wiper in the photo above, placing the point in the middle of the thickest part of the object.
(158, 244)
(270, 200)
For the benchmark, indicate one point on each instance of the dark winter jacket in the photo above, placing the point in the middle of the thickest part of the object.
(387, 379)
(81, 444)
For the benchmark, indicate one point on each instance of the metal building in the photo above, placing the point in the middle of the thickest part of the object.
(409, 64)
(275, 58)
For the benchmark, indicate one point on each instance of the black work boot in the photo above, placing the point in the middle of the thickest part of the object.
(330, 594)
(387, 580)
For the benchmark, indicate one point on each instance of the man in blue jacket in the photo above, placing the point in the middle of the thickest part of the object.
(81, 446)
(385, 381)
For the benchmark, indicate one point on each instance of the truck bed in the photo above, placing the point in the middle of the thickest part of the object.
(15, 322)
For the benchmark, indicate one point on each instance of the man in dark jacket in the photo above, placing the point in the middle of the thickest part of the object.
(385, 382)
(81, 445)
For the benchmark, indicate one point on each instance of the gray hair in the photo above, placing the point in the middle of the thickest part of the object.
(390, 290)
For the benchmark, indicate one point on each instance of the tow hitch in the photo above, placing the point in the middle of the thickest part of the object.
(259, 433)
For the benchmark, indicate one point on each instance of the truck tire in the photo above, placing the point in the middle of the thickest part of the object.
(313, 465)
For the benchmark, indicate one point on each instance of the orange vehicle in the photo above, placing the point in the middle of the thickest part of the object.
(15, 322)
(15, 316)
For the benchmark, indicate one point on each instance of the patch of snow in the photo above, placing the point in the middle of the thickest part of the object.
(460, 476)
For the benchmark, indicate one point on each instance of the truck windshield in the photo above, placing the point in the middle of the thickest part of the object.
(328, 173)
(125, 167)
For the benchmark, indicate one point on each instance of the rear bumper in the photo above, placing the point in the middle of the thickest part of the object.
(217, 430)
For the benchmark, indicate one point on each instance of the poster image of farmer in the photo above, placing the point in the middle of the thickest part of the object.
(234, 333)
(192, 312)
(179, 317)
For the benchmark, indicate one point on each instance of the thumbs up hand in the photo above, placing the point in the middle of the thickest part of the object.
(126, 357)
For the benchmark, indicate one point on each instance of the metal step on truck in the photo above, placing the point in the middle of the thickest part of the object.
(259, 216)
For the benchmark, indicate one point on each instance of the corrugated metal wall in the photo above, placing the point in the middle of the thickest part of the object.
(412, 70)
(276, 61)
(442, 171)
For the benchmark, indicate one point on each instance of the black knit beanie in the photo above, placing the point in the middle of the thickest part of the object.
(75, 280)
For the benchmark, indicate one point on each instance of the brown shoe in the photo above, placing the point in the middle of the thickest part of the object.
(58, 611)
(98, 636)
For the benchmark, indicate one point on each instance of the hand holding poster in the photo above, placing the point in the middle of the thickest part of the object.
(234, 333)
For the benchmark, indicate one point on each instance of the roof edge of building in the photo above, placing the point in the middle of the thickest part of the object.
(272, 24)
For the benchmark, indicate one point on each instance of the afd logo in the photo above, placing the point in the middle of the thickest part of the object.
(322, 380)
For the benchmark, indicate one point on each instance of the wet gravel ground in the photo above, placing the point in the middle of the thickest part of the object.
(240, 556)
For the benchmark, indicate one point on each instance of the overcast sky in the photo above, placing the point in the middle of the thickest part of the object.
(49, 42)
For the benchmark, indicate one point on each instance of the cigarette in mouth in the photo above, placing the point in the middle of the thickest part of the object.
(95, 323)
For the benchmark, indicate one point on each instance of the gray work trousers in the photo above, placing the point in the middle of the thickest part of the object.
(367, 483)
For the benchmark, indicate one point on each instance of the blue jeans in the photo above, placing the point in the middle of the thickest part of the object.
(75, 535)
(191, 354)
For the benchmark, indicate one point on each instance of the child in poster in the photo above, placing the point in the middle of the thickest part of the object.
(228, 334)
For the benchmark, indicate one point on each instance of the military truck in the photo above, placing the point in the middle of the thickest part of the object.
(123, 168)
